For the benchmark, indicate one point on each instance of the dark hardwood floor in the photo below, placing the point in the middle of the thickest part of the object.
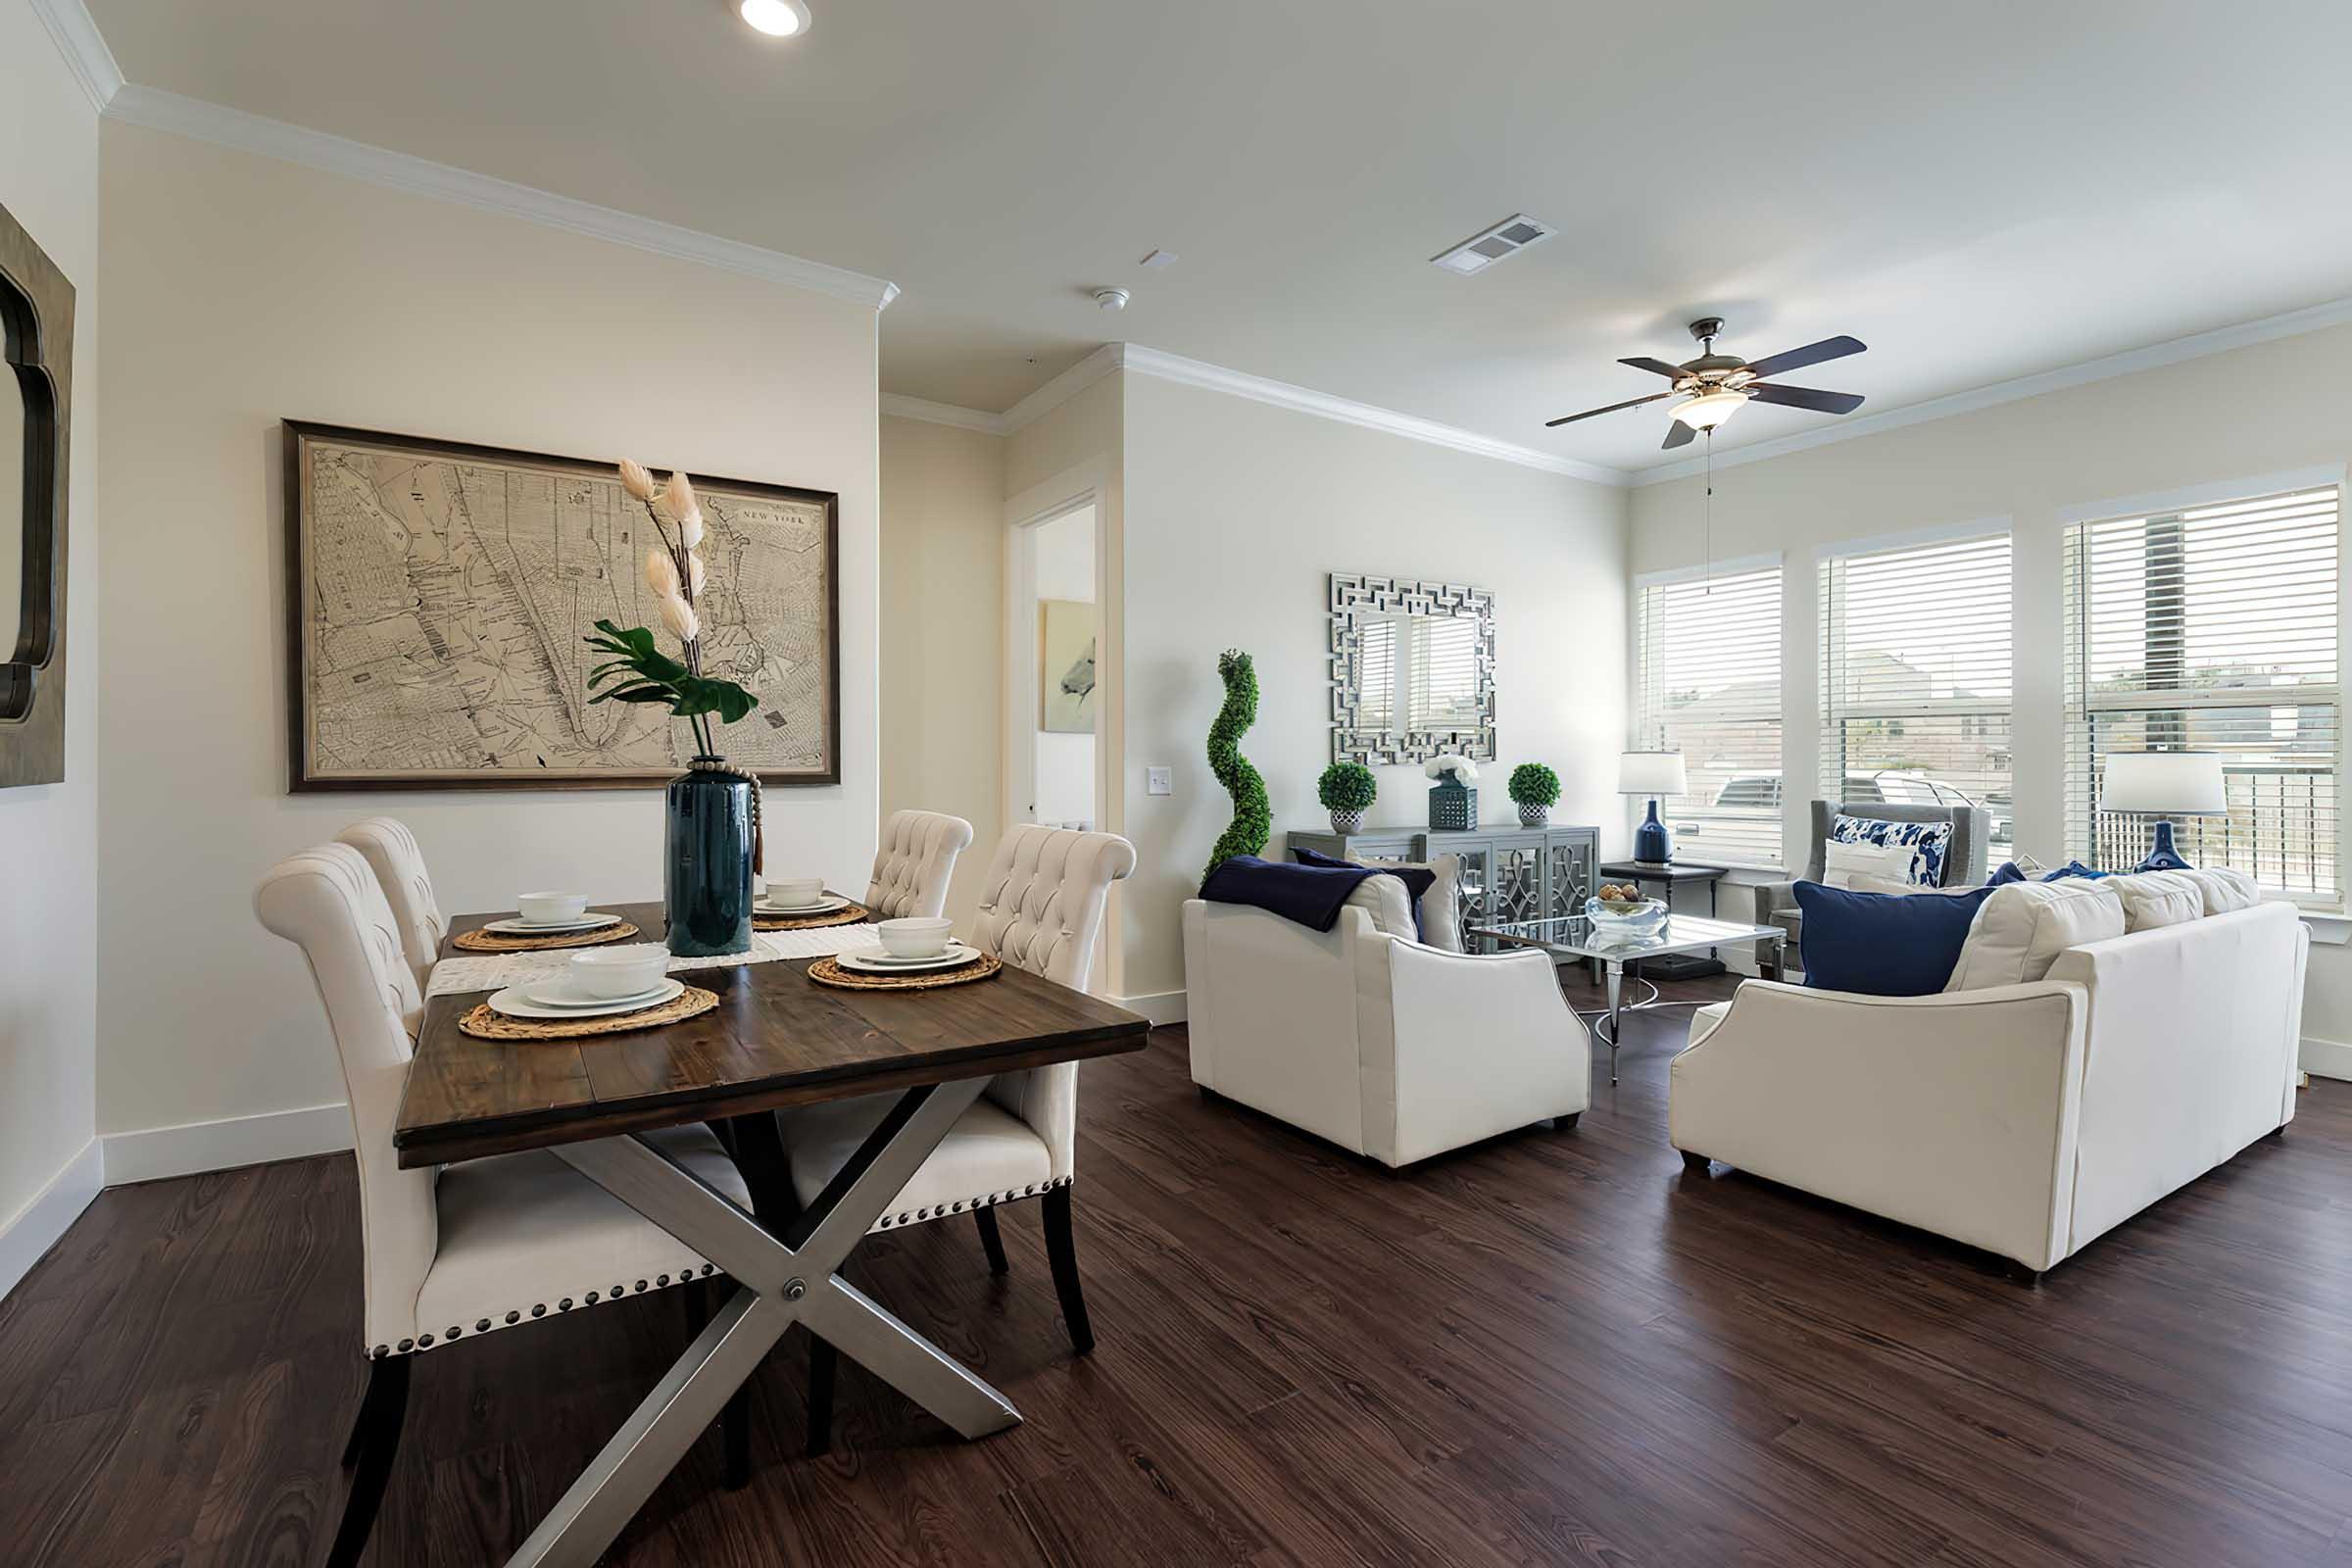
(1554, 1347)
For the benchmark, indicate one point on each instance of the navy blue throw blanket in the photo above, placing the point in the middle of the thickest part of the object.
(1310, 895)
(1417, 879)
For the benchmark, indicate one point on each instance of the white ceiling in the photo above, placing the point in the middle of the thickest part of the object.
(1979, 192)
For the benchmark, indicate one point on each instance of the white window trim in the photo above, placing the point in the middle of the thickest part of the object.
(2158, 502)
(1666, 577)
(1944, 533)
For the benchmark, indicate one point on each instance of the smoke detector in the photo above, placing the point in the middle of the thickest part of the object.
(1113, 299)
(1488, 246)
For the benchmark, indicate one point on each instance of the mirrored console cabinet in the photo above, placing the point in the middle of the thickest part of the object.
(1507, 873)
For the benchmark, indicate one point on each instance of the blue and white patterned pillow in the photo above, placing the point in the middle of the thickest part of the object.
(1927, 841)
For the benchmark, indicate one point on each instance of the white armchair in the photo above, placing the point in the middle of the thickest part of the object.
(1385, 1047)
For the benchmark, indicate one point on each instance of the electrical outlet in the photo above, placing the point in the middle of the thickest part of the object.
(1159, 782)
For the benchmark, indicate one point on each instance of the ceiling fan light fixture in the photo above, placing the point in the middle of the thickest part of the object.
(778, 19)
(1709, 409)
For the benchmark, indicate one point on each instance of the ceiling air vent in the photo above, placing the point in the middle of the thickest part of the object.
(1485, 248)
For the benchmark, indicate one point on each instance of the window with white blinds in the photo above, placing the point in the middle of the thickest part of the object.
(1375, 675)
(1709, 686)
(2213, 629)
(1915, 695)
(1442, 688)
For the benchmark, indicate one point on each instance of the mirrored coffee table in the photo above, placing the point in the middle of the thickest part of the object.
(1576, 936)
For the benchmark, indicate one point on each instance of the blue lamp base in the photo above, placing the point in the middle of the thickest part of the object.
(1654, 845)
(2163, 857)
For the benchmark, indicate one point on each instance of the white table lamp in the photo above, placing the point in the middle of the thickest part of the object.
(2164, 784)
(1654, 774)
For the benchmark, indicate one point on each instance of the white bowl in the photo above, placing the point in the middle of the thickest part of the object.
(795, 893)
(915, 937)
(606, 974)
(550, 909)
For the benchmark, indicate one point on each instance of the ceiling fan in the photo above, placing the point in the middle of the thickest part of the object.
(1714, 387)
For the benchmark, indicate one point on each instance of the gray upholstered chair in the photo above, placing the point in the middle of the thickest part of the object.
(1963, 863)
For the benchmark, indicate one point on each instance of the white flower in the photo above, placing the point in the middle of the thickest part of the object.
(690, 529)
(678, 497)
(694, 575)
(635, 481)
(1464, 771)
(661, 573)
(678, 615)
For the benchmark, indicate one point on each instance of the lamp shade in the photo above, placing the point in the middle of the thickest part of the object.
(1650, 773)
(2164, 783)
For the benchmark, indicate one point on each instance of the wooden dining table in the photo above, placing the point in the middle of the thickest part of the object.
(776, 1039)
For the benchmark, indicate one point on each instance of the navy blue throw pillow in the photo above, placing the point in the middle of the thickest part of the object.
(1884, 944)
(2007, 874)
(2071, 869)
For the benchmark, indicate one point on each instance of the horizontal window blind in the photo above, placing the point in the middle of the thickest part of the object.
(1709, 677)
(2213, 629)
(1443, 663)
(1915, 700)
(1375, 677)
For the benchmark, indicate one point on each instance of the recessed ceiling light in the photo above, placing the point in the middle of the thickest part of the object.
(778, 19)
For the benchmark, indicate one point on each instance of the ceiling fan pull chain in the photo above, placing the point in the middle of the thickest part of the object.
(1707, 540)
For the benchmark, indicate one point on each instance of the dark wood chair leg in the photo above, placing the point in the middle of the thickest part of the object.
(991, 1241)
(375, 1440)
(823, 1361)
(1060, 1252)
(1567, 1123)
(1695, 1164)
(735, 1420)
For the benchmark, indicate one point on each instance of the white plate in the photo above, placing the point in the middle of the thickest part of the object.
(824, 905)
(556, 994)
(525, 928)
(875, 960)
(514, 1004)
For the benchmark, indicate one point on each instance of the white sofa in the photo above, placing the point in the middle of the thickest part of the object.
(2028, 1119)
(1380, 1044)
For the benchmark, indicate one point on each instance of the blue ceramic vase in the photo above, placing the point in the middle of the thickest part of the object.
(706, 871)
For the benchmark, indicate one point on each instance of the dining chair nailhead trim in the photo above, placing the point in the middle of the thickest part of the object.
(685, 1275)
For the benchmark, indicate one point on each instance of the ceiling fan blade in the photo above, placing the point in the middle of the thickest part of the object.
(1642, 361)
(1630, 402)
(1829, 348)
(1678, 434)
(1805, 397)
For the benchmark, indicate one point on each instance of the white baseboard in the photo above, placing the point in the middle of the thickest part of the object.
(35, 1228)
(2329, 1059)
(154, 1153)
(1161, 1006)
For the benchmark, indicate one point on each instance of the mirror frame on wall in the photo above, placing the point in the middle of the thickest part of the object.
(36, 320)
(1355, 598)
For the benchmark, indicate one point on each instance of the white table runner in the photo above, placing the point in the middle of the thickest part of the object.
(493, 971)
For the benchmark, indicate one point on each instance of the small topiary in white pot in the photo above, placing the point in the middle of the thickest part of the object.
(1346, 791)
(1535, 789)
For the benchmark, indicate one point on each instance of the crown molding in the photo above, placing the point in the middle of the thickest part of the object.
(224, 127)
(898, 405)
(1064, 387)
(83, 47)
(1304, 399)
(2292, 324)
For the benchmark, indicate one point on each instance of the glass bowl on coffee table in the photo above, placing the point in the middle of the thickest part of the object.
(1616, 946)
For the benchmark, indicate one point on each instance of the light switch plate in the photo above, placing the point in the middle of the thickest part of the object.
(1159, 782)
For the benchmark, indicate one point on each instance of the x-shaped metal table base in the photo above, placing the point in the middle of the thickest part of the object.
(783, 1280)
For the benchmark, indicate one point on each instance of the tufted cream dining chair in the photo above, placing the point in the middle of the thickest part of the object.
(393, 854)
(1040, 909)
(917, 857)
(465, 1249)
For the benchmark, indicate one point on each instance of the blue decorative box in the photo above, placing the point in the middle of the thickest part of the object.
(1453, 808)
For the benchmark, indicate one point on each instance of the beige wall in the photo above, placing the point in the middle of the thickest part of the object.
(48, 1032)
(2250, 413)
(1236, 511)
(253, 290)
(943, 590)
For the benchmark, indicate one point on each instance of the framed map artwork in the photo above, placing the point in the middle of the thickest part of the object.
(439, 593)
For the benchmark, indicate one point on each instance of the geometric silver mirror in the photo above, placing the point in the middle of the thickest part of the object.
(36, 331)
(1412, 670)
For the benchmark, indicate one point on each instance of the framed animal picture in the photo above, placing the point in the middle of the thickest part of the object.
(1065, 668)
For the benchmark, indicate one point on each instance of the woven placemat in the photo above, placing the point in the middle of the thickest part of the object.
(810, 922)
(829, 972)
(483, 1023)
(501, 942)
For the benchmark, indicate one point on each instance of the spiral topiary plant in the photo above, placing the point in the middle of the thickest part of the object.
(1346, 787)
(1533, 784)
(1252, 816)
